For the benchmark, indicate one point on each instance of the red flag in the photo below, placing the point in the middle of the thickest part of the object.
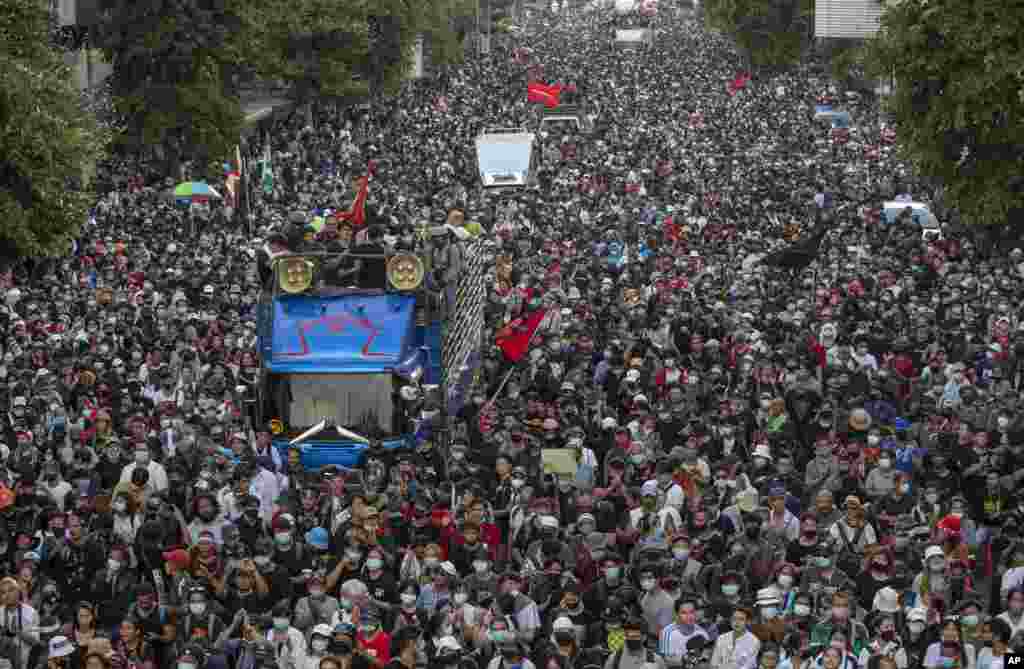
(548, 95)
(514, 339)
(739, 83)
(356, 214)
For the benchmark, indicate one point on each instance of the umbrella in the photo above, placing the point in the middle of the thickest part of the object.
(194, 191)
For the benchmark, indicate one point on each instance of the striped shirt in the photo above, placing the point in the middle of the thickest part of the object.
(673, 640)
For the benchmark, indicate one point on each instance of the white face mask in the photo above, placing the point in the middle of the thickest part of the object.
(461, 598)
(785, 580)
(885, 463)
(197, 608)
(319, 645)
(802, 610)
(647, 584)
(114, 565)
(408, 598)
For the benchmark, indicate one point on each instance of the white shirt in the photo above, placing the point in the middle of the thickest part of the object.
(732, 653)
(672, 642)
(291, 654)
(157, 475)
(25, 624)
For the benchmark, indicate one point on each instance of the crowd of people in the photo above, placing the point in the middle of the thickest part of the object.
(812, 465)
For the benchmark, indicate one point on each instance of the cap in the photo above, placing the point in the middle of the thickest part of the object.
(933, 551)
(317, 537)
(770, 596)
(178, 557)
(61, 646)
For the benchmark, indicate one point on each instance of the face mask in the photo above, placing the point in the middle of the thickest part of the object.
(932, 498)
(114, 565)
(197, 609)
(120, 506)
(915, 626)
(873, 440)
(374, 564)
(840, 612)
(281, 624)
(769, 612)
(802, 610)
(283, 538)
(730, 590)
(885, 463)
(647, 584)
(316, 592)
(481, 566)
(430, 562)
(681, 555)
(141, 458)
(785, 580)
(612, 573)
(969, 621)
(408, 599)
(461, 598)
(319, 645)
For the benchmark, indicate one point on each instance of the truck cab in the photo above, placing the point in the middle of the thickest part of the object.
(506, 159)
(564, 118)
(358, 348)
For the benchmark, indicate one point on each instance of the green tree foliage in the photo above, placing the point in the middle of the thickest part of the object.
(170, 74)
(47, 138)
(336, 49)
(958, 103)
(772, 33)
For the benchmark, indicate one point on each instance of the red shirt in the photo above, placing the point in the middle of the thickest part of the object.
(379, 646)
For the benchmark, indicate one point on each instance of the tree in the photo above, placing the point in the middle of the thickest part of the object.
(772, 33)
(958, 103)
(48, 140)
(169, 75)
(329, 49)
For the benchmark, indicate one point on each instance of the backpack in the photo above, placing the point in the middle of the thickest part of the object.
(648, 658)
(848, 560)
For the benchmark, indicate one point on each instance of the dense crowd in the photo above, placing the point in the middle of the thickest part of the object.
(815, 464)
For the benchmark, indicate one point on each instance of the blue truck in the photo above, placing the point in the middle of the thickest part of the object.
(346, 363)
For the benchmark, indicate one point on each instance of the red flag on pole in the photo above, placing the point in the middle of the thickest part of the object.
(356, 214)
(738, 83)
(514, 339)
(548, 95)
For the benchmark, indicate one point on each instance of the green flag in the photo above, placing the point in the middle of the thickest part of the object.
(268, 173)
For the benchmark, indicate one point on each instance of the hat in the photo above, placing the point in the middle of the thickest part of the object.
(179, 558)
(860, 420)
(933, 551)
(770, 596)
(549, 522)
(448, 643)
(887, 600)
(61, 646)
(317, 537)
(649, 489)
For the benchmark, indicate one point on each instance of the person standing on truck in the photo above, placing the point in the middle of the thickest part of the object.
(373, 271)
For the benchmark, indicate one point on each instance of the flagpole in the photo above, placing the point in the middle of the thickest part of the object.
(508, 374)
